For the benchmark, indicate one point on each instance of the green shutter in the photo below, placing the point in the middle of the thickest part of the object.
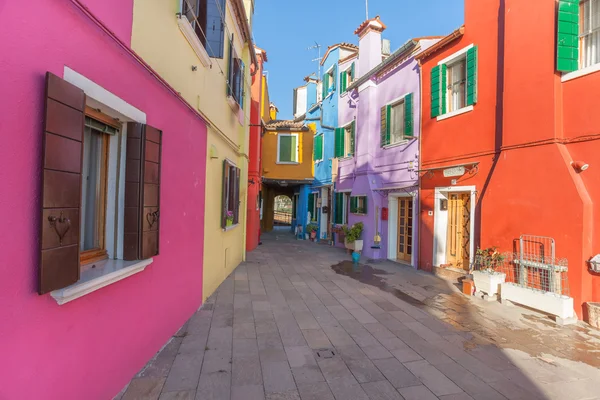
(567, 40)
(294, 148)
(316, 141)
(352, 72)
(444, 87)
(339, 142)
(365, 208)
(435, 91)
(342, 81)
(334, 75)
(318, 148)
(385, 126)
(325, 85)
(472, 76)
(339, 208)
(353, 204)
(408, 115)
(352, 138)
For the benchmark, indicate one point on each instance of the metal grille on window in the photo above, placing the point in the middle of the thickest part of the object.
(589, 34)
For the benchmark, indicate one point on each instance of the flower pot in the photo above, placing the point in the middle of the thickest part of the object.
(488, 282)
(229, 222)
(313, 235)
(358, 245)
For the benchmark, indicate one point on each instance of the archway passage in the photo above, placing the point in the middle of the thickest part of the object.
(282, 211)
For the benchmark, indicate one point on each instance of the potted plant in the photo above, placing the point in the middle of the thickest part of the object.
(353, 235)
(311, 229)
(229, 218)
(486, 274)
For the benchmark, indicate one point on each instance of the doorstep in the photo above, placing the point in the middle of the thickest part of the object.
(449, 273)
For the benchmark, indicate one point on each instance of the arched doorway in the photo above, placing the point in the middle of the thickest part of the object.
(282, 212)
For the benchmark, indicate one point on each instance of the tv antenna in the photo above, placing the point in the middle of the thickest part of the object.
(367, 6)
(317, 46)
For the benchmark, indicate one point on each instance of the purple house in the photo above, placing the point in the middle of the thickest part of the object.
(377, 145)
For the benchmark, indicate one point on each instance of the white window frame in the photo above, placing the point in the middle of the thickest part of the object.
(115, 268)
(581, 71)
(393, 103)
(332, 81)
(279, 135)
(348, 128)
(451, 59)
(320, 160)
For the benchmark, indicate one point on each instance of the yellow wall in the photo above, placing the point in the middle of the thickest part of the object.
(302, 170)
(157, 38)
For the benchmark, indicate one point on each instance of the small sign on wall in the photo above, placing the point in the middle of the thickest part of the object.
(384, 213)
(454, 171)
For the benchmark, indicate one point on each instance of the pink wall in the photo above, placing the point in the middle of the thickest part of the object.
(91, 347)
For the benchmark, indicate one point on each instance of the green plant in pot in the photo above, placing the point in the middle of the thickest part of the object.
(311, 229)
(353, 236)
(487, 270)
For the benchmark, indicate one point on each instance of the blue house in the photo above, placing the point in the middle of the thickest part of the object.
(316, 103)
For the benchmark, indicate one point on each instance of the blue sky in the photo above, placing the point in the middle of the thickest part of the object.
(286, 28)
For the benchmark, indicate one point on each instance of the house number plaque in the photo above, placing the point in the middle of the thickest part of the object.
(454, 171)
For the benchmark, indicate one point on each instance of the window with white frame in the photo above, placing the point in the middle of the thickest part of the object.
(329, 79)
(346, 78)
(397, 122)
(287, 148)
(457, 84)
(454, 83)
(344, 141)
(341, 208)
(589, 32)
(206, 18)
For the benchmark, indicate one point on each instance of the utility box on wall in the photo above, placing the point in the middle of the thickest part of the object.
(384, 213)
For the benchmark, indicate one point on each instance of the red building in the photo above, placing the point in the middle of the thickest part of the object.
(510, 126)
(254, 158)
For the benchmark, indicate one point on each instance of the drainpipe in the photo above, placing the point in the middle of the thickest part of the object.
(418, 174)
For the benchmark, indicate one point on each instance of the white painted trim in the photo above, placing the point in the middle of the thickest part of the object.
(190, 35)
(580, 72)
(109, 272)
(228, 228)
(393, 227)
(440, 223)
(366, 85)
(455, 113)
(456, 56)
(279, 135)
(103, 96)
(400, 143)
(344, 191)
(396, 100)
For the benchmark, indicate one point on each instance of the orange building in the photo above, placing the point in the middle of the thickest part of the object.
(509, 129)
(258, 94)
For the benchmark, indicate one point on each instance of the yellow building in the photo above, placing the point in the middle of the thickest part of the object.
(288, 167)
(204, 50)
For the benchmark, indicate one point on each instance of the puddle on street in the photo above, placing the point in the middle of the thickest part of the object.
(369, 276)
(541, 336)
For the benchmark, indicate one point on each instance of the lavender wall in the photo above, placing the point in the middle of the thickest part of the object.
(374, 167)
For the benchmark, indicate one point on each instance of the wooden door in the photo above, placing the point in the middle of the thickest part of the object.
(405, 229)
(459, 237)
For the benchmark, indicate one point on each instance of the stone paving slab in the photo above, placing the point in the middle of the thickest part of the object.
(287, 325)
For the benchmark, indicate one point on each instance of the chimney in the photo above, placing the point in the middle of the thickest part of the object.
(273, 112)
(369, 44)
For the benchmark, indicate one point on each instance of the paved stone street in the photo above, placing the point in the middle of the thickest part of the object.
(295, 322)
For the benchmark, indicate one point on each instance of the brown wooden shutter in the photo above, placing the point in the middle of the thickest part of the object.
(61, 184)
(142, 192)
(225, 194)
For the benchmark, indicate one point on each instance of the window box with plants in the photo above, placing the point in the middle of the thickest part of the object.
(486, 270)
(352, 236)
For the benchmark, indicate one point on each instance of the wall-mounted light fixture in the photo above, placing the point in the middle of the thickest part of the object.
(579, 166)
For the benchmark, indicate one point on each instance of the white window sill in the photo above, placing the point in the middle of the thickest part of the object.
(318, 161)
(580, 72)
(188, 31)
(400, 143)
(230, 227)
(455, 113)
(103, 274)
(287, 163)
(345, 158)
